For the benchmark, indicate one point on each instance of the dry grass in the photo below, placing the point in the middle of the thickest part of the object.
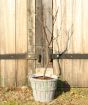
(23, 96)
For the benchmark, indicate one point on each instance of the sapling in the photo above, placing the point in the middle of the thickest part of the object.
(69, 33)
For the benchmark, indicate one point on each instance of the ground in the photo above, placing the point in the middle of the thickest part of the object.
(23, 96)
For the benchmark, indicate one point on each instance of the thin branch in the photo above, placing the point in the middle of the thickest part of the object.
(69, 37)
(48, 29)
(45, 34)
(55, 17)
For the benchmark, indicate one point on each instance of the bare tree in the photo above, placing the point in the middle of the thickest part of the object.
(69, 33)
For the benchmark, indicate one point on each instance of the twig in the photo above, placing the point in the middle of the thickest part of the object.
(55, 17)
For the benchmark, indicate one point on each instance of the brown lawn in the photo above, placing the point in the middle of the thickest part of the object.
(23, 96)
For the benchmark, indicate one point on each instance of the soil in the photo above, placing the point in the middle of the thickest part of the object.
(43, 78)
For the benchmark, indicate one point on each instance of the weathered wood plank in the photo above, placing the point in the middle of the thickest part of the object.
(47, 26)
(77, 42)
(43, 32)
(67, 70)
(39, 37)
(85, 41)
(21, 40)
(58, 46)
(31, 34)
(7, 22)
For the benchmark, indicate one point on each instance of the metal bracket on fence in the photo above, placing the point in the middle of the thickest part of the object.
(18, 56)
(69, 56)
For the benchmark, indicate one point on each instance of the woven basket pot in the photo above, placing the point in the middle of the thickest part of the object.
(43, 90)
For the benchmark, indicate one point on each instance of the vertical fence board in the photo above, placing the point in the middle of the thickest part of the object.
(39, 37)
(31, 34)
(1, 39)
(10, 42)
(57, 65)
(77, 41)
(43, 32)
(67, 70)
(47, 23)
(21, 40)
(7, 44)
(85, 40)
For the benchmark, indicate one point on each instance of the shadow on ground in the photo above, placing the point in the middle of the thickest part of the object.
(62, 86)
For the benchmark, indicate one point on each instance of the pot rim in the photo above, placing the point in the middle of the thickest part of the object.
(54, 77)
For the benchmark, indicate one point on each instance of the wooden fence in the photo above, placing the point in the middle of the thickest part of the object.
(72, 22)
(21, 32)
(70, 34)
(13, 40)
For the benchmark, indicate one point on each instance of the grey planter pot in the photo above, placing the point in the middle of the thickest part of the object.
(43, 90)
